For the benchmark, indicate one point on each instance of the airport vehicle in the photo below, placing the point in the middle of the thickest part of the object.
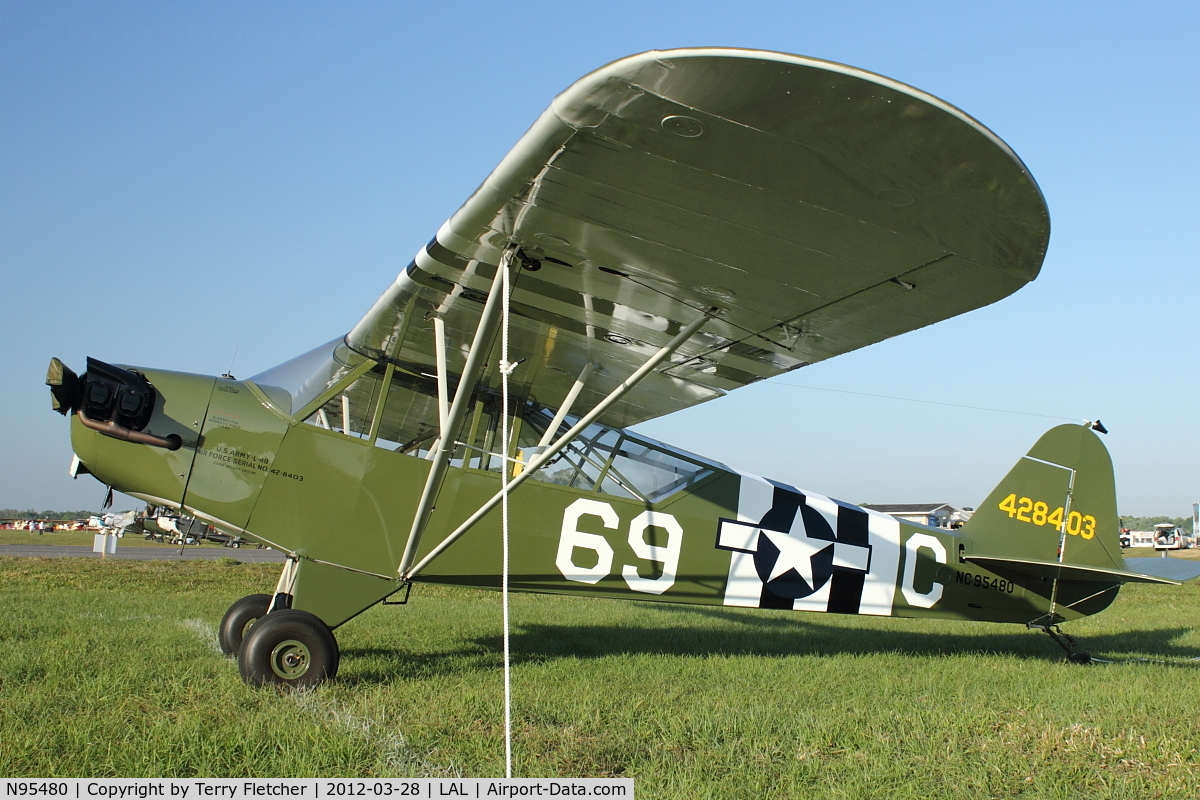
(1169, 537)
(676, 225)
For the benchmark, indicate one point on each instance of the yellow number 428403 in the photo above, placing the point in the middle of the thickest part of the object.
(1023, 509)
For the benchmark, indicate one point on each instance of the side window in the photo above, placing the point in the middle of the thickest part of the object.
(481, 435)
(613, 462)
(409, 421)
(583, 464)
(656, 473)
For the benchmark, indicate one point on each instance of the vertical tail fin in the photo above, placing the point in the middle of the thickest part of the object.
(1059, 495)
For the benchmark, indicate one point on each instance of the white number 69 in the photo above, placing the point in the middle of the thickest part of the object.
(573, 539)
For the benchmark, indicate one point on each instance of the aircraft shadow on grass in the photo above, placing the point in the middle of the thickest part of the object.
(767, 637)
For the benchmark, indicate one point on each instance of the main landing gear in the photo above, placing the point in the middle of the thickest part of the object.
(284, 647)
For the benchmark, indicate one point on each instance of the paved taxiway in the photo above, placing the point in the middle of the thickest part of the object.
(141, 553)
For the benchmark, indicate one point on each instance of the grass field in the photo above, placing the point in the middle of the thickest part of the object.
(112, 669)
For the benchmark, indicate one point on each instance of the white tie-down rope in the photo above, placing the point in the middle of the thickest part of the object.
(505, 370)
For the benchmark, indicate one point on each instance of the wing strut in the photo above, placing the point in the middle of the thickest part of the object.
(565, 408)
(439, 344)
(538, 461)
(481, 345)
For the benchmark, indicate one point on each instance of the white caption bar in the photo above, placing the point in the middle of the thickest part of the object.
(230, 789)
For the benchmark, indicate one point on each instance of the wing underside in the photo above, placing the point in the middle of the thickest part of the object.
(817, 207)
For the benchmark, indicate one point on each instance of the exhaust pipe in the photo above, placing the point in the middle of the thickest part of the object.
(171, 442)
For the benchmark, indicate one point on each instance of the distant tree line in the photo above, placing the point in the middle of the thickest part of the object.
(1148, 523)
(12, 513)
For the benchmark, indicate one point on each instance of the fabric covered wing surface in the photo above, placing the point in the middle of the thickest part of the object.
(819, 207)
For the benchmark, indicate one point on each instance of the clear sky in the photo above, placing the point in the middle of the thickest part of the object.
(178, 181)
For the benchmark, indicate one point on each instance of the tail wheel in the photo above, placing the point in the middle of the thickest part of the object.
(288, 648)
(238, 619)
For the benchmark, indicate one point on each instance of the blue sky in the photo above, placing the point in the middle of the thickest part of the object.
(178, 181)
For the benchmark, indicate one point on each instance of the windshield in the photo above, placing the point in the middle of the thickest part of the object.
(294, 384)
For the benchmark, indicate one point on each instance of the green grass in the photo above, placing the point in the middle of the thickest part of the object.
(111, 669)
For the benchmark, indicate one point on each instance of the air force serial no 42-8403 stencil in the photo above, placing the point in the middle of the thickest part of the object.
(676, 225)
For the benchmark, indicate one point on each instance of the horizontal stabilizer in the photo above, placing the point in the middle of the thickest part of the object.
(1070, 572)
(1176, 569)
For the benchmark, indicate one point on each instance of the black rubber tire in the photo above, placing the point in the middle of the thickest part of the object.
(238, 619)
(290, 648)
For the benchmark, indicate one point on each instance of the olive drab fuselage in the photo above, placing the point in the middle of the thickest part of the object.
(343, 507)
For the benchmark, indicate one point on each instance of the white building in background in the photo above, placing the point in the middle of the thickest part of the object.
(935, 515)
(1141, 538)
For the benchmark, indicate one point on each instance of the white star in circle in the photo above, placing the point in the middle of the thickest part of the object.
(795, 552)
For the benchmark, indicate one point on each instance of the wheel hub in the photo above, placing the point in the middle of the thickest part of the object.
(290, 659)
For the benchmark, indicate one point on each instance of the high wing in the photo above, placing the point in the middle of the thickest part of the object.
(820, 208)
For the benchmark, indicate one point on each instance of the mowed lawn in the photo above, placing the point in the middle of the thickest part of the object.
(112, 669)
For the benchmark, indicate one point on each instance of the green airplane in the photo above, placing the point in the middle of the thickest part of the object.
(677, 224)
